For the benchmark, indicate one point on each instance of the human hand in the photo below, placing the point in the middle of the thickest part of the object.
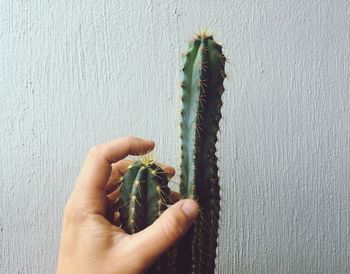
(92, 244)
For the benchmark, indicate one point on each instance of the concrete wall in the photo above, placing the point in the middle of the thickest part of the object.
(76, 73)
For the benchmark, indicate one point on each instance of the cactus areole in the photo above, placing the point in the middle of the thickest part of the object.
(144, 190)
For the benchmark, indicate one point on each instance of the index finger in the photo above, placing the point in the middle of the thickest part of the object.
(97, 166)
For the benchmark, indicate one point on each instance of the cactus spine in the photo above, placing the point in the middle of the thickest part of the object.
(144, 190)
(202, 87)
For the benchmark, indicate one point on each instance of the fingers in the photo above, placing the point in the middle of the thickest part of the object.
(165, 231)
(90, 187)
(174, 197)
(97, 167)
(170, 171)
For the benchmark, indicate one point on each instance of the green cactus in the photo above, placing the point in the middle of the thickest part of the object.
(202, 86)
(144, 189)
(144, 195)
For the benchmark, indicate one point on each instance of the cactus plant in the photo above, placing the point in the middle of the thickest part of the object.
(144, 195)
(202, 86)
(144, 189)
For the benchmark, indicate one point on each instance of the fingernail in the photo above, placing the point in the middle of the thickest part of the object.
(190, 208)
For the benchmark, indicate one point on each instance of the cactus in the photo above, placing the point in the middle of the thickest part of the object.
(144, 195)
(144, 189)
(202, 87)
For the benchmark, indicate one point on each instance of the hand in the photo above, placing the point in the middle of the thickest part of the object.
(92, 244)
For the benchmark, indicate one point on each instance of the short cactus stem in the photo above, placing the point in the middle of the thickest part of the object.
(144, 196)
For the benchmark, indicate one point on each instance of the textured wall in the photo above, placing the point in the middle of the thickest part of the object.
(75, 73)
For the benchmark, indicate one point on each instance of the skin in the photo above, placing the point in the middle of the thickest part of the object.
(93, 243)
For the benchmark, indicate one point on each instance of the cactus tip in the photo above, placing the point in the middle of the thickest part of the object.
(148, 158)
(204, 33)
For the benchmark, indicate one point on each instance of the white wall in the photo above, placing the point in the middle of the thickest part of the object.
(75, 73)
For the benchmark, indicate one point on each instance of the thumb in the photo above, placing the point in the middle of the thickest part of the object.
(166, 230)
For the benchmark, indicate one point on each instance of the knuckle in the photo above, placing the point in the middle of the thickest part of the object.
(73, 213)
(96, 152)
(129, 140)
